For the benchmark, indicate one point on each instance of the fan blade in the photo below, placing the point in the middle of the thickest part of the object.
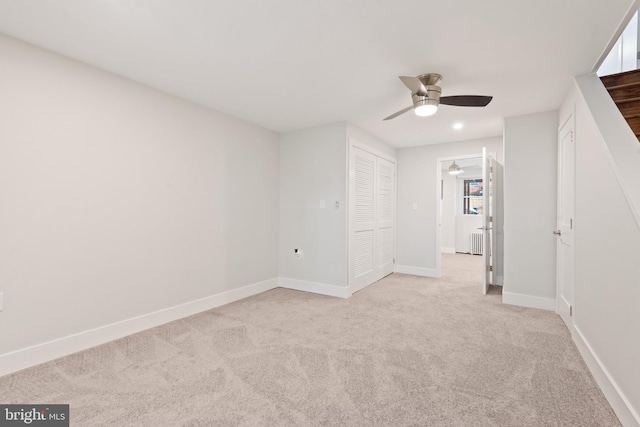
(414, 84)
(466, 100)
(394, 115)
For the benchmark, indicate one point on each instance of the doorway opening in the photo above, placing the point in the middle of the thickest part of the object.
(468, 217)
(461, 208)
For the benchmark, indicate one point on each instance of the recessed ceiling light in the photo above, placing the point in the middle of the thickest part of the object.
(458, 125)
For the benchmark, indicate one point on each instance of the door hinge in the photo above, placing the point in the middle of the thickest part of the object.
(491, 218)
(491, 268)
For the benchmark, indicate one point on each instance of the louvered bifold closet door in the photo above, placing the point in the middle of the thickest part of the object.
(363, 254)
(385, 219)
(372, 218)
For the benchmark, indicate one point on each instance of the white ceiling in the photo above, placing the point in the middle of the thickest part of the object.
(293, 64)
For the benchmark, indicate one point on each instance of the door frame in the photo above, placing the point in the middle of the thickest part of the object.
(438, 202)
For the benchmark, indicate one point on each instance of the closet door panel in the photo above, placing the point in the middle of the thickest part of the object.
(371, 216)
(363, 263)
(385, 220)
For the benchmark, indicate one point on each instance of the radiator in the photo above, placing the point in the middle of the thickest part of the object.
(476, 243)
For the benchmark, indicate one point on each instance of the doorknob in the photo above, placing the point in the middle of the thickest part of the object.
(557, 232)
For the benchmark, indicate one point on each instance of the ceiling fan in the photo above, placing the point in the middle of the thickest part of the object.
(425, 94)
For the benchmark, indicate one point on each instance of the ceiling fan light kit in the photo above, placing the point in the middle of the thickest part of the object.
(425, 94)
(426, 105)
(425, 108)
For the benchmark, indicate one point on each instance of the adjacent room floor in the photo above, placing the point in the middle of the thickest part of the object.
(406, 351)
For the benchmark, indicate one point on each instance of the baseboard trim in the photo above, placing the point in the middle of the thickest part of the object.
(529, 301)
(314, 287)
(621, 405)
(54, 349)
(447, 250)
(416, 271)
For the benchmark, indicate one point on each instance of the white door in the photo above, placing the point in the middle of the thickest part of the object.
(488, 209)
(494, 188)
(362, 211)
(564, 232)
(385, 220)
(372, 218)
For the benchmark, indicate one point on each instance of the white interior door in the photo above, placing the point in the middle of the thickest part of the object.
(493, 229)
(362, 212)
(487, 229)
(565, 228)
(385, 220)
(371, 216)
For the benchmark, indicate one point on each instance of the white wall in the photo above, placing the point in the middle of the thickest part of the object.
(118, 200)
(362, 137)
(416, 247)
(313, 177)
(313, 169)
(623, 56)
(465, 225)
(530, 188)
(607, 238)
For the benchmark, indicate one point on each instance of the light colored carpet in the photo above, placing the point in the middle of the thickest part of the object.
(406, 351)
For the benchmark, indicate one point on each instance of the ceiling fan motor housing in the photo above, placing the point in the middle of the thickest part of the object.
(431, 98)
(430, 79)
